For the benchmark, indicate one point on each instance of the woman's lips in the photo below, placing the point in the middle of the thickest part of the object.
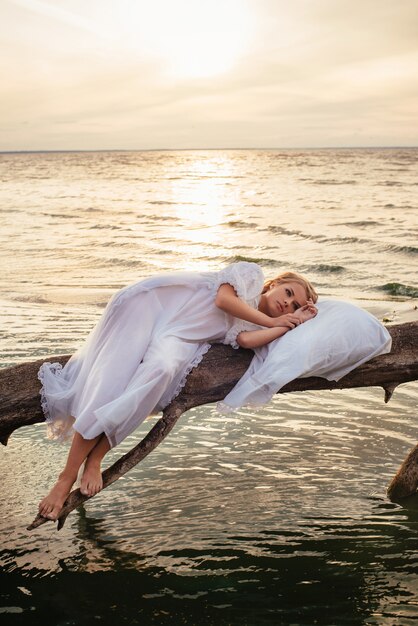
(279, 306)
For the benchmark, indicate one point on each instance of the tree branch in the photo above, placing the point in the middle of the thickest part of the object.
(211, 381)
(122, 465)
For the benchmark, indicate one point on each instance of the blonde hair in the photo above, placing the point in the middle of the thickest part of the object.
(292, 277)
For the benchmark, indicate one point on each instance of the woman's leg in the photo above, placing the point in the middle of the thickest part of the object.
(91, 481)
(51, 505)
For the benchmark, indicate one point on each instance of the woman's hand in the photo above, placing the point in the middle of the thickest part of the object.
(306, 312)
(289, 320)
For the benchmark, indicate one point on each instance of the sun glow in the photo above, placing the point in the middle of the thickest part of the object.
(190, 39)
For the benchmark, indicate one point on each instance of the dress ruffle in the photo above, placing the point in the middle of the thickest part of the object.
(239, 327)
(58, 429)
(198, 358)
(56, 369)
(247, 279)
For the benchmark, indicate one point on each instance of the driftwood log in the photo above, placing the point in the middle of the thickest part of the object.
(211, 381)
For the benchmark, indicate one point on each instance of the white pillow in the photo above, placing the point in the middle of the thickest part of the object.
(340, 338)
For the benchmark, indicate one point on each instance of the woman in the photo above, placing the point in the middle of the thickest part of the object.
(138, 356)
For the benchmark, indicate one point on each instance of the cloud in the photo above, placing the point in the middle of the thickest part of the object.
(59, 14)
(317, 73)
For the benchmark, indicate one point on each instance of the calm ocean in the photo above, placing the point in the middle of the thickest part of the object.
(278, 517)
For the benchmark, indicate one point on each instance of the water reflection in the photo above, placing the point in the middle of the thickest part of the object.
(300, 536)
(347, 573)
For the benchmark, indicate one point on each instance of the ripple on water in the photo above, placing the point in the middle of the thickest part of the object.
(252, 519)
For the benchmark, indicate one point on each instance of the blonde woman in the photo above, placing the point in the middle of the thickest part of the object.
(137, 358)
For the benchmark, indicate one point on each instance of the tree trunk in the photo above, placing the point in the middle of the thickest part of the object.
(211, 381)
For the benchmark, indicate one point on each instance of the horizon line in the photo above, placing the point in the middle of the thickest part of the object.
(72, 150)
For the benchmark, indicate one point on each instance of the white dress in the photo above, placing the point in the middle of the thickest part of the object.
(137, 358)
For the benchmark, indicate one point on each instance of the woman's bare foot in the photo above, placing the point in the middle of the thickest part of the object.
(91, 481)
(52, 504)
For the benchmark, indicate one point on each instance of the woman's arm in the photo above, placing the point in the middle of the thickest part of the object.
(227, 300)
(257, 338)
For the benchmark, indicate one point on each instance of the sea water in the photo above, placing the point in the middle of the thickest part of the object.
(278, 517)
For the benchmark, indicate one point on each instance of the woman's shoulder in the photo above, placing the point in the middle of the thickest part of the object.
(245, 276)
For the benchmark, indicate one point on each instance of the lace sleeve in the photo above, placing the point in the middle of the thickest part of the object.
(238, 327)
(246, 278)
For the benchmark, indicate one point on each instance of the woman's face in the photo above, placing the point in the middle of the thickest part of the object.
(284, 298)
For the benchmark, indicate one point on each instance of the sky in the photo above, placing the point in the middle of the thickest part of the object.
(191, 74)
